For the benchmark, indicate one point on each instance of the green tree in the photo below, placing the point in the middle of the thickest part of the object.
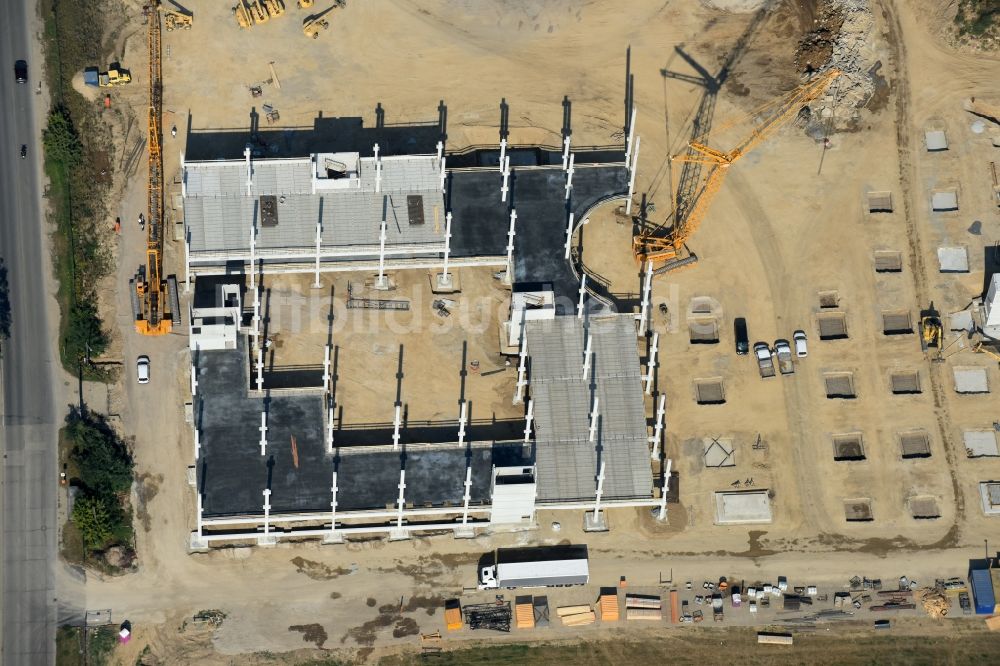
(102, 458)
(93, 516)
(84, 337)
(62, 143)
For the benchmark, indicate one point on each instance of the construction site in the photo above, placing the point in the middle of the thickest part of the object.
(712, 288)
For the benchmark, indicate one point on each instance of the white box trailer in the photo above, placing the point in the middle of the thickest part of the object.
(535, 567)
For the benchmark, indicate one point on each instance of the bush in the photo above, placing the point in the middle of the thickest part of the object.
(104, 462)
(61, 142)
(84, 337)
(95, 520)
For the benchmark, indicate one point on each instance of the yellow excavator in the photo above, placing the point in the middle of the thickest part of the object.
(155, 305)
(174, 20)
(668, 247)
(314, 26)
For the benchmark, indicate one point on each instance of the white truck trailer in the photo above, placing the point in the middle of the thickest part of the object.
(548, 566)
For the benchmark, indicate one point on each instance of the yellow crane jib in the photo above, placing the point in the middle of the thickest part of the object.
(154, 299)
(671, 247)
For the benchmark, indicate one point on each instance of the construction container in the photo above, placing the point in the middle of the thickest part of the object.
(642, 601)
(609, 604)
(453, 614)
(995, 579)
(652, 614)
(982, 591)
(768, 638)
(524, 613)
(675, 607)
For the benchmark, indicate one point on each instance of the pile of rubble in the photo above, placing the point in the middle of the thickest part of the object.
(854, 56)
(935, 602)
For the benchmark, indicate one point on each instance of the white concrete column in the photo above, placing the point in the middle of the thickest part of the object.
(565, 155)
(467, 497)
(587, 353)
(462, 415)
(187, 260)
(628, 142)
(267, 511)
(509, 277)
(326, 368)
(397, 421)
(263, 431)
(583, 293)
(522, 369)
(569, 235)
(661, 411)
(631, 176)
(506, 176)
(184, 191)
(647, 288)
(447, 249)
(249, 170)
(381, 283)
(194, 381)
(319, 240)
(197, 443)
(600, 490)
(333, 504)
(329, 423)
(444, 175)
(503, 151)
(260, 369)
(569, 175)
(593, 420)
(528, 418)
(440, 149)
(312, 174)
(401, 502)
(199, 510)
(663, 491)
(378, 170)
(651, 367)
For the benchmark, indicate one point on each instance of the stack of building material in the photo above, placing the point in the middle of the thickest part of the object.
(541, 608)
(643, 607)
(609, 604)
(453, 614)
(675, 607)
(524, 614)
(576, 616)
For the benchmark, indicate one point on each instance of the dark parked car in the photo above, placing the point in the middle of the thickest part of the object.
(24, 151)
(21, 71)
(742, 339)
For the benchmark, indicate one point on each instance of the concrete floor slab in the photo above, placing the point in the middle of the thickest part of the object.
(980, 443)
(742, 507)
(953, 259)
(970, 380)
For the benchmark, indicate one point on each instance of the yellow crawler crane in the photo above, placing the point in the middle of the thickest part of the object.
(669, 245)
(154, 299)
(313, 27)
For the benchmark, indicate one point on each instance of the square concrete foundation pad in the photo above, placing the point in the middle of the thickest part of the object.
(980, 443)
(742, 507)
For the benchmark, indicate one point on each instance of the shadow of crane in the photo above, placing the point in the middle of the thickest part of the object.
(689, 185)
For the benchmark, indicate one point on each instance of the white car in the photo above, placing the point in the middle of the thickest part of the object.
(801, 350)
(142, 369)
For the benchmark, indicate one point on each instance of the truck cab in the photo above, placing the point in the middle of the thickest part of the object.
(488, 577)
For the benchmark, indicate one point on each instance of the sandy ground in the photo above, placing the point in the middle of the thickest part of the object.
(788, 224)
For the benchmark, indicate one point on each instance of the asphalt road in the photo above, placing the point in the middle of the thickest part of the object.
(30, 417)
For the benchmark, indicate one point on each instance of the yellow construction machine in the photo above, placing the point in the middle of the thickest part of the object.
(313, 27)
(931, 329)
(115, 76)
(242, 15)
(274, 7)
(154, 299)
(306, 4)
(667, 246)
(174, 20)
(257, 11)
